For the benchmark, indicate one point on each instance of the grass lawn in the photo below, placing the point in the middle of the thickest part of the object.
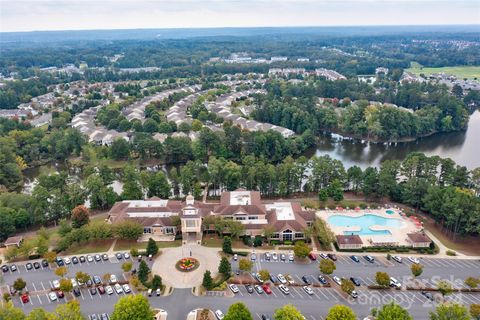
(461, 72)
(126, 245)
(89, 247)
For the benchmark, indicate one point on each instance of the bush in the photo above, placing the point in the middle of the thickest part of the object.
(451, 253)
(258, 241)
(288, 242)
(247, 240)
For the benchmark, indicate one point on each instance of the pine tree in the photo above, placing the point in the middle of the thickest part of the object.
(207, 280)
(152, 248)
(143, 271)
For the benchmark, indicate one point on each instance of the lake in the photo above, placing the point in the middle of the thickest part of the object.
(462, 147)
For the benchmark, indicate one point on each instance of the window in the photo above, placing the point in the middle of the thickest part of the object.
(275, 236)
(240, 218)
(168, 230)
(287, 235)
(147, 230)
(252, 218)
(190, 223)
(299, 235)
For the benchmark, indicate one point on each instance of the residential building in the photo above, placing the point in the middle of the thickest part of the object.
(419, 240)
(348, 242)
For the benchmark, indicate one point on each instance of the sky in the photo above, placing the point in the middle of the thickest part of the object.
(36, 15)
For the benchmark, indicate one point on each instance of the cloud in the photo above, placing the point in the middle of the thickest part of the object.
(25, 15)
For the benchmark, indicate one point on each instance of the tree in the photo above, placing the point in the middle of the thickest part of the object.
(340, 312)
(128, 230)
(70, 310)
(19, 284)
(82, 277)
(323, 195)
(444, 287)
(301, 249)
(288, 312)
(393, 311)
(80, 216)
(10, 312)
(61, 271)
(264, 274)
(143, 272)
(238, 311)
(382, 278)
(196, 125)
(475, 311)
(50, 256)
(448, 311)
(132, 307)
(152, 248)
(156, 282)
(127, 266)
(66, 285)
(207, 280)
(472, 282)
(327, 266)
(417, 269)
(227, 245)
(224, 267)
(245, 265)
(119, 149)
(347, 286)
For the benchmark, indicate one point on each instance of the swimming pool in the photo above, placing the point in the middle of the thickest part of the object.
(365, 222)
(390, 212)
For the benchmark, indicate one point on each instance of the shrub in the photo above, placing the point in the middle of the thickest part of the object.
(451, 253)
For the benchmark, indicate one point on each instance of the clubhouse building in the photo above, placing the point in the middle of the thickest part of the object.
(163, 219)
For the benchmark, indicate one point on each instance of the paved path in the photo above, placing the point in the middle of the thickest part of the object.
(164, 265)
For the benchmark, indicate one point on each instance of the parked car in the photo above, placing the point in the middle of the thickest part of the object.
(36, 265)
(308, 290)
(44, 263)
(235, 257)
(355, 281)
(253, 257)
(25, 298)
(29, 266)
(267, 256)
(67, 260)
(101, 290)
(74, 282)
(283, 257)
(53, 296)
(249, 288)
(337, 280)
(306, 280)
(56, 284)
(273, 278)
(354, 294)
(93, 291)
(369, 259)
(109, 289)
(355, 258)
(397, 258)
(126, 255)
(105, 257)
(265, 317)
(74, 260)
(258, 289)
(119, 256)
(234, 288)
(219, 314)
(93, 317)
(76, 292)
(323, 255)
(158, 292)
(97, 280)
(256, 276)
(59, 262)
(289, 279)
(5, 268)
(126, 288)
(413, 260)
(290, 257)
(284, 289)
(104, 316)
(82, 259)
(332, 256)
(13, 268)
(266, 289)
(428, 295)
(312, 256)
(98, 258)
(322, 280)
(274, 256)
(395, 283)
(281, 278)
(113, 278)
(118, 288)
(90, 258)
(60, 294)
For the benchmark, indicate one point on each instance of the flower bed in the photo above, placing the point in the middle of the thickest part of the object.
(187, 264)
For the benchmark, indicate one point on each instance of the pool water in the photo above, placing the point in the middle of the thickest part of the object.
(390, 212)
(364, 222)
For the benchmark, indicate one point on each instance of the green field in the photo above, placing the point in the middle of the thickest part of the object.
(460, 72)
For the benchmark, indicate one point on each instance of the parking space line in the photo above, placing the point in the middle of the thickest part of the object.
(297, 292)
(43, 287)
(321, 291)
(39, 300)
(334, 297)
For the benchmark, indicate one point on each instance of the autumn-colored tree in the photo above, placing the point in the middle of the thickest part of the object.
(80, 216)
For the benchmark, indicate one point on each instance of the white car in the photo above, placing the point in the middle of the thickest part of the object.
(337, 280)
(397, 258)
(219, 314)
(235, 257)
(56, 284)
(233, 287)
(126, 255)
(74, 282)
(118, 288)
(413, 259)
(67, 260)
(89, 258)
(323, 255)
(274, 256)
(113, 278)
(290, 257)
(354, 294)
(109, 290)
(126, 288)
(290, 279)
(284, 289)
(281, 278)
(53, 296)
(308, 290)
(267, 256)
(395, 283)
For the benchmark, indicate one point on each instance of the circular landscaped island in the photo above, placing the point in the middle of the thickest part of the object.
(187, 264)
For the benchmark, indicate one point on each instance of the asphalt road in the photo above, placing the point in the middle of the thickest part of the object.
(312, 306)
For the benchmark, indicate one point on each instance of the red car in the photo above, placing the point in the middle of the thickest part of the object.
(60, 294)
(267, 289)
(312, 256)
(25, 298)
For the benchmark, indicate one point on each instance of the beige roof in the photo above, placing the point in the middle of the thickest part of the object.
(419, 237)
(13, 240)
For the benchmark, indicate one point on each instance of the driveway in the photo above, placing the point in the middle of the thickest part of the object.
(164, 265)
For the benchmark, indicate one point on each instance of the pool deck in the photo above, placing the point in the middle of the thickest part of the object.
(398, 235)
